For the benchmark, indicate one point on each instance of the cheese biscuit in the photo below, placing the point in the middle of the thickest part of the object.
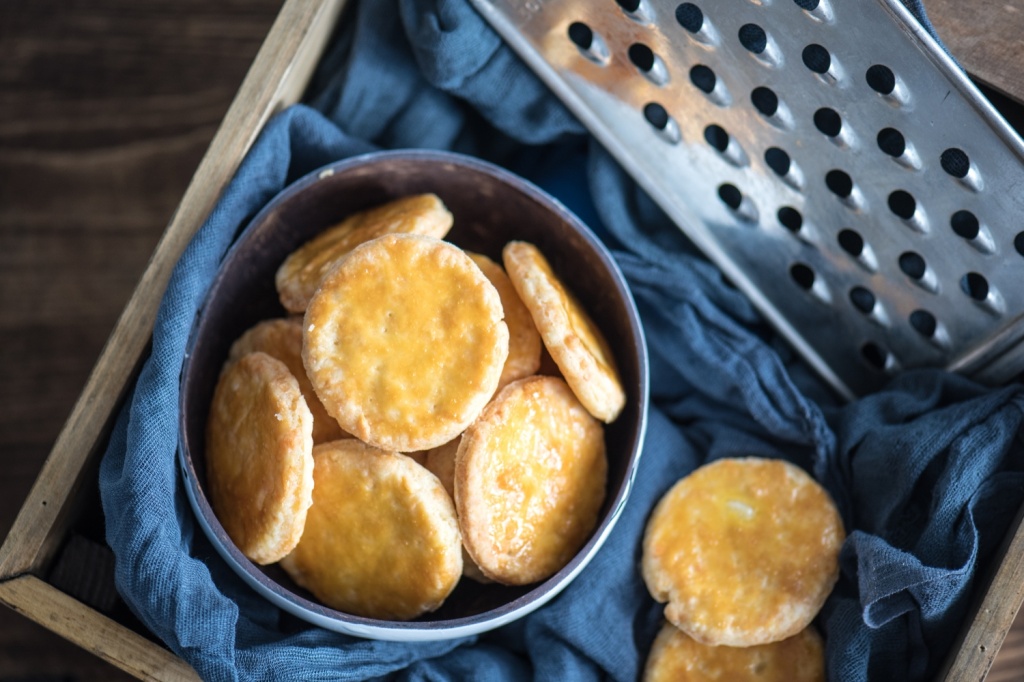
(744, 551)
(259, 466)
(523, 339)
(302, 271)
(381, 539)
(404, 342)
(676, 657)
(572, 338)
(282, 339)
(530, 479)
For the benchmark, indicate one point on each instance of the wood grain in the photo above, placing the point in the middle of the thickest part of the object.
(106, 109)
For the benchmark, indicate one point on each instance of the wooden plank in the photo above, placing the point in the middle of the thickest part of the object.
(993, 614)
(985, 38)
(97, 634)
(279, 73)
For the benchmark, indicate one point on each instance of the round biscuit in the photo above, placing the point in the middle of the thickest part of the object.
(744, 551)
(570, 336)
(676, 657)
(530, 478)
(404, 342)
(259, 466)
(302, 271)
(523, 338)
(440, 461)
(381, 538)
(282, 339)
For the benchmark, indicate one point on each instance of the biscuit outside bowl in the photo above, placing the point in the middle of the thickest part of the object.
(491, 207)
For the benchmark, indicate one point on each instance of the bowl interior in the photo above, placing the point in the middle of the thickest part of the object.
(491, 207)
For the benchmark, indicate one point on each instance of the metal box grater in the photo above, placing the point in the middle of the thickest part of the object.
(829, 157)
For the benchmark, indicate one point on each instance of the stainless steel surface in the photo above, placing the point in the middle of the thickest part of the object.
(889, 234)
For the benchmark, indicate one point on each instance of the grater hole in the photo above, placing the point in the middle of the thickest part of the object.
(764, 100)
(628, 5)
(662, 123)
(862, 299)
(809, 5)
(912, 265)
(851, 242)
(717, 137)
(965, 224)
(840, 183)
(902, 204)
(955, 162)
(590, 44)
(802, 275)
(975, 286)
(875, 355)
(817, 58)
(690, 17)
(892, 142)
(924, 323)
(582, 35)
(704, 78)
(778, 160)
(730, 196)
(828, 121)
(790, 219)
(1018, 243)
(881, 79)
(753, 38)
(641, 56)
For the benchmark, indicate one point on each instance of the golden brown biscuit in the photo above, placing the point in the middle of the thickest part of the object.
(440, 461)
(381, 539)
(259, 466)
(529, 481)
(282, 339)
(675, 657)
(404, 342)
(303, 270)
(572, 338)
(744, 551)
(523, 339)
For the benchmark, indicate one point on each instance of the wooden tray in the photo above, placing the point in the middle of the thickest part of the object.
(47, 532)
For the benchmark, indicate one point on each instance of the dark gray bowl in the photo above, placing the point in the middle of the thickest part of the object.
(491, 207)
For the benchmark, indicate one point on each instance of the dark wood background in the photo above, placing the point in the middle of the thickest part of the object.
(106, 108)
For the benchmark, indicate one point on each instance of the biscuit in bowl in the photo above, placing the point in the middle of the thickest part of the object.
(281, 338)
(523, 339)
(745, 551)
(303, 270)
(529, 481)
(676, 657)
(404, 342)
(259, 466)
(570, 335)
(381, 539)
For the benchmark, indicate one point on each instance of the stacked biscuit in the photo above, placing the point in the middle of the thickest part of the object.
(744, 551)
(398, 434)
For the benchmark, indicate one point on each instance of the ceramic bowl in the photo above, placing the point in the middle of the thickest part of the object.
(491, 207)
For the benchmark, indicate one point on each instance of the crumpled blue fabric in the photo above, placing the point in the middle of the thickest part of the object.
(927, 473)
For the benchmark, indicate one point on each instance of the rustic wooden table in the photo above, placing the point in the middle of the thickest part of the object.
(106, 108)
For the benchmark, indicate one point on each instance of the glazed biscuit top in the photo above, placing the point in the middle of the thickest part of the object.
(404, 342)
(303, 270)
(570, 335)
(259, 466)
(530, 480)
(744, 550)
(381, 539)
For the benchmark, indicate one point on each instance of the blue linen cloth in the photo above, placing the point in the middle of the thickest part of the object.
(927, 473)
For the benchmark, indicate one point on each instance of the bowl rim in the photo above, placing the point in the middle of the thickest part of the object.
(412, 631)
